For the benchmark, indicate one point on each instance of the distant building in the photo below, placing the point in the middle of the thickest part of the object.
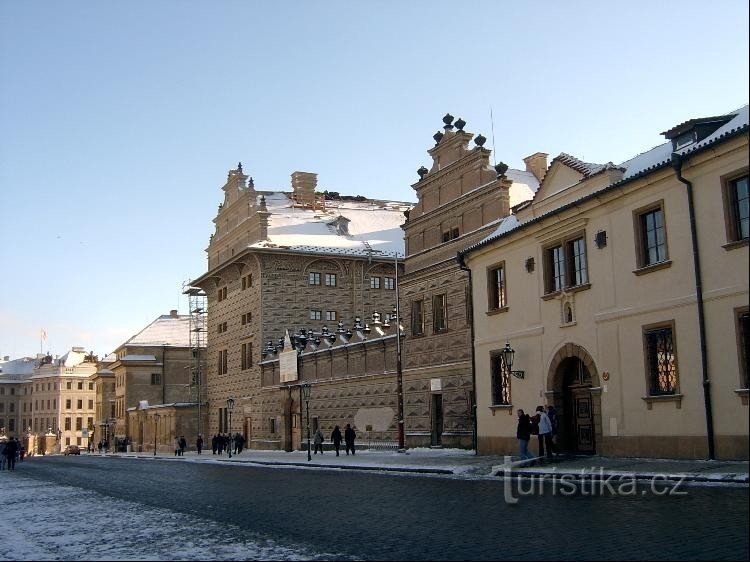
(623, 291)
(302, 262)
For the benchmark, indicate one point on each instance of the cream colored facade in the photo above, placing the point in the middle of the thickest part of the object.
(461, 200)
(614, 339)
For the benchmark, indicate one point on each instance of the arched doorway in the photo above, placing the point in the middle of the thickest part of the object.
(574, 391)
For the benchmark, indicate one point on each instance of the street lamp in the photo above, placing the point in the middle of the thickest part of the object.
(103, 425)
(306, 389)
(507, 354)
(230, 407)
(156, 429)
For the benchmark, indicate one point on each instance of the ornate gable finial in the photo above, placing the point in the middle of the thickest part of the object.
(448, 120)
(239, 167)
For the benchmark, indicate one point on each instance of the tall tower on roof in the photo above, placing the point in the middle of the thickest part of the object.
(303, 188)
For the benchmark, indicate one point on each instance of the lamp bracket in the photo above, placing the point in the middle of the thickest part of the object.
(518, 374)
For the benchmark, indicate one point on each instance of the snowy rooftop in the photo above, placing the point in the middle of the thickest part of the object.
(22, 366)
(358, 228)
(165, 330)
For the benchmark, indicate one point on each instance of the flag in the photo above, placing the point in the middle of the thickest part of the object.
(44, 334)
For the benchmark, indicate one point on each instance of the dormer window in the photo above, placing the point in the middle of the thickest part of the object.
(683, 140)
(449, 235)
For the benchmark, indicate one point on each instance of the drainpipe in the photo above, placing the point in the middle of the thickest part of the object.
(677, 166)
(163, 381)
(473, 405)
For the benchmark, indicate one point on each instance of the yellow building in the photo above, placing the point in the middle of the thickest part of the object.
(623, 291)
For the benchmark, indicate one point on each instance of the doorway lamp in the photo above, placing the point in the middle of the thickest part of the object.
(230, 409)
(507, 355)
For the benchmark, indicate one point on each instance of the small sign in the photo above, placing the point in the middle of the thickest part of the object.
(288, 361)
(84, 433)
(436, 385)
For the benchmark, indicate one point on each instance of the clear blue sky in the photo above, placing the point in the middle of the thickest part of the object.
(120, 120)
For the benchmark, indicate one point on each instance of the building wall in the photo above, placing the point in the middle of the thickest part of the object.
(610, 313)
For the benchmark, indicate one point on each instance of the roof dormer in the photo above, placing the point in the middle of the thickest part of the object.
(694, 130)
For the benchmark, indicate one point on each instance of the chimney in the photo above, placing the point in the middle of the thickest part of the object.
(303, 187)
(537, 164)
(173, 313)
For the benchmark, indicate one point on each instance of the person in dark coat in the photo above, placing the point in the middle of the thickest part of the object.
(11, 450)
(214, 443)
(349, 436)
(199, 444)
(183, 445)
(336, 438)
(523, 434)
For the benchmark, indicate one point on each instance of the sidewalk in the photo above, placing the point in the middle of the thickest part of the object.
(463, 463)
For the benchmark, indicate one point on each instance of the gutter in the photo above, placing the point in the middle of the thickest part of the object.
(473, 405)
(677, 161)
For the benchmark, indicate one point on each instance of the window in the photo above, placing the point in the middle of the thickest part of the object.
(90, 423)
(222, 294)
(389, 283)
(314, 278)
(500, 381)
(496, 290)
(449, 235)
(374, 282)
(737, 209)
(67, 424)
(330, 279)
(417, 318)
(246, 318)
(91, 386)
(743, 327)
(222, 363)
(246, 358)
(221, 327)
(155, 378)
(68, 404)
(565, 264)
(661, 360)
(79, 404)
(272, 425)
(69, 385)
(80, 386)
(79, 424)
(247, 281)
(330, 315)
(91, 404)
(651, 236)
(439, 309)
(316, 315)
(12, 407)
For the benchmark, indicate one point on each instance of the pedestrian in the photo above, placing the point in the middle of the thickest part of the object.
(239, 442)
(176, 447)
(214, 443)
(545, 432)
(183, 445)
(21, 452)
(523, 434)
(199, 444)
(349, 436)
(2, 454)
(318, 441)
(554, 421)
(11, 450)
(336, 438)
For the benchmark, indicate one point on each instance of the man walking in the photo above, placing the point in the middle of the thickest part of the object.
(349, 436)
(545, 432)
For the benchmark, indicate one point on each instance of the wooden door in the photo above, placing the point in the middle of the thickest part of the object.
(437, 420)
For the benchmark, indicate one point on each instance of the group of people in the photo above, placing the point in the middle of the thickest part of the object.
(544, 424)
(223, 442)
(179, 446)
(336, 437)
(10, 451)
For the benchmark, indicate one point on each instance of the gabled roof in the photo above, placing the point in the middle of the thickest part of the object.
(347, 227)
(166, 330)
(645, 163)
(585, 168)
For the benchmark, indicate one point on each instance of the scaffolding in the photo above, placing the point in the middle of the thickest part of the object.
(197, 305)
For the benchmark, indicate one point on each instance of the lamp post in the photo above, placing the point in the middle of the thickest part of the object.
(507, 354)
(306, 389)
(399, 374)
(230, 407)
(156, 430)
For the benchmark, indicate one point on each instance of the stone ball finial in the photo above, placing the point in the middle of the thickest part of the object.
(501, 168)
(448, 120)
(422, 172)
(480, 140)
(460, 124)
(437, 136)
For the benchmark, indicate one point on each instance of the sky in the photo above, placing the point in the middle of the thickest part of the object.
(120, 120)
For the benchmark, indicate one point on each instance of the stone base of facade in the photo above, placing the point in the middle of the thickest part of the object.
(727, 447)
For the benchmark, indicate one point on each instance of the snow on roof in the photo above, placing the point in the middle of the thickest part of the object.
(165, 330)
(22, 366)
(373, 227)
(524, 186)
(135, 357)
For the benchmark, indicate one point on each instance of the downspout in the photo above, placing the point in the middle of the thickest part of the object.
(473, 405)
(163, 382)
(677, 166)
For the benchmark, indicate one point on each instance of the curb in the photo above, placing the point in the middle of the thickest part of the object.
(606, 474)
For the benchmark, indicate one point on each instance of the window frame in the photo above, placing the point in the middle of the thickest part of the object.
(442, 300)
(313, 278)
(155, 379)
(316, 314)
(500, 381)
(742, 344)
(559, 264)
(732, 220)
(331, 316)
(641, 238)
(374, 282)
(246, 356)
(653, 377)
(497, 301)
(389, 283)
(330, 280)
(417, 313)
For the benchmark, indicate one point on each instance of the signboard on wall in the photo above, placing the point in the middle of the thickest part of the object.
(288, 361)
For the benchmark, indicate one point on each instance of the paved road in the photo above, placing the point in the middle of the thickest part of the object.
(398, 517)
